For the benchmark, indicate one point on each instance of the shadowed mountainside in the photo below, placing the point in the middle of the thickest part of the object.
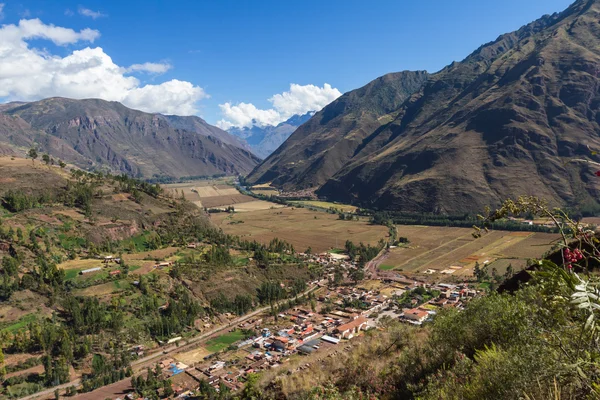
(501, 123)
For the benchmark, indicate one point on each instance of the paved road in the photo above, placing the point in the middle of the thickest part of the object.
(143, 362)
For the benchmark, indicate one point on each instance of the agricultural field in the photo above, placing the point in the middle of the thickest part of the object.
(454, 251)
(221, 342)
(327, 205)
(301, 227)
(214, 194)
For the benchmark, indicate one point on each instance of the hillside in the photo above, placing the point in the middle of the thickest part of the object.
(503, 122)
(102, 135)
(265, 140)
(79, 255)
(321, 146)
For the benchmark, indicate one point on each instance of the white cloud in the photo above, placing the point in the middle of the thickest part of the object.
(36, 29)
(153, 68)
(86, 12)
(1, 11)
(300, 99)
(69, 12)
(247, 115)
(31, 74)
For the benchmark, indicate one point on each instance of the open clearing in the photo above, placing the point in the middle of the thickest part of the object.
(221, 342)
(327, 205)
(301, 227)
(454, 251)
(193, 356)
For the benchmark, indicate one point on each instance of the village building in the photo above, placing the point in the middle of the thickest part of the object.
(349, 330)
(416, 315)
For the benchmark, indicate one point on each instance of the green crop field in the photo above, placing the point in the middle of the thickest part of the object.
(20, 324)
(221, 342)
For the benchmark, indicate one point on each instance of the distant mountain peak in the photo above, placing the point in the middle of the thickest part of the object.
(263, 140)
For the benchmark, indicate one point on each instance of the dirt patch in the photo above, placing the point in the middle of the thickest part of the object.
(193, 356)
(113, 391)
(227, 200)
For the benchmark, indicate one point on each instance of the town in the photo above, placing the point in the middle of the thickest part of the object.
(330, 318)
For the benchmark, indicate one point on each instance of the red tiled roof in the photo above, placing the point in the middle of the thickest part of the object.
(352, 324)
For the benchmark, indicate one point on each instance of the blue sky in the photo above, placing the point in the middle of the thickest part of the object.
(243, 51)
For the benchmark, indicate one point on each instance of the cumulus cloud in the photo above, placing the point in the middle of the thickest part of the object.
(86, 12)
(300, 99)
(31, 74)
(153, 68)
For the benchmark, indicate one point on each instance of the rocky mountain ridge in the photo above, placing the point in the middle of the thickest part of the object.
(98, 134)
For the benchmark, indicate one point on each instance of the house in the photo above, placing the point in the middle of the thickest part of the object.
(347, 331)
(278, 346)
(115, 272)
(216, 366)
(416, 315)
(163, 264)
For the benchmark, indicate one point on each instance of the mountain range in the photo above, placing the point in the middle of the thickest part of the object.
(505, 121)
(264, 140)
(98, 134)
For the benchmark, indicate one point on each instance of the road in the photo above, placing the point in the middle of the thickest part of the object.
(143, 362)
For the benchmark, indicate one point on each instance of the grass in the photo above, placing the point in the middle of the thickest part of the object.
(139, 241)
(133, 268)
(240, 261)
(300, 227)
(221, 342)
(71, 274)
(386, 267)
(121, 284)
(70, 242)
(327, 205)
(21, 323)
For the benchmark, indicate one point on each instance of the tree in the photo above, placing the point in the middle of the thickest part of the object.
(357, 274)
(2, 368)
(61, 164)
(46, 158)
(251, 390)
(509, 272)
(33, 154)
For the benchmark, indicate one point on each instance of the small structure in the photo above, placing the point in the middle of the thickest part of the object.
(347, 331)
(90, 270)
(163, 264)
(416, 315)
(173, 340)
(330, 339)
(115, 272)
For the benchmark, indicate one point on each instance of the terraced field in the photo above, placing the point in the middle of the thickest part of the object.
(454, 251)
(215, 194)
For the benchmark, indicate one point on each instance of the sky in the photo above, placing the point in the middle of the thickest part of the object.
(237, 63)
